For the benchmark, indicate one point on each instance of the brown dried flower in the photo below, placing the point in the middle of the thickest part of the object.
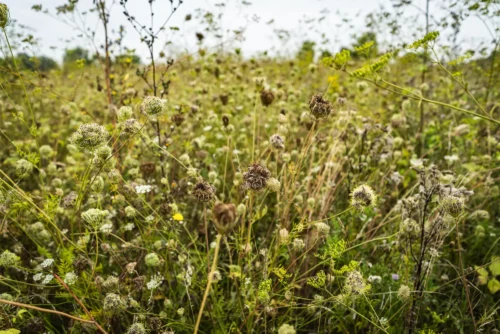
(225, 217)
(320, 107)
(256, 177)
(204, 191)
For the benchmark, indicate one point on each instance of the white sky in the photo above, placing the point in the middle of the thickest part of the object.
(288, 15)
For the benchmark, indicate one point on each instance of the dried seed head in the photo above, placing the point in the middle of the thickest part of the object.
(204, 191)
(225, 218)
(178, 119)
(129, 127)
(363, 196)
(266, 97)
(355, 283)
(277, 142)
(148, 169)
(125, 113)
(89, 136)
(320, 107)
(153, 105)
(453, 205)
(256, 178)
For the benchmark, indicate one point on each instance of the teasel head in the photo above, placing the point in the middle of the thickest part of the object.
(363, 196)
(266, 97)
(256, 177)
(320, 108)
(204, 191)
(4, 15)
(453, 205)
(225, 217)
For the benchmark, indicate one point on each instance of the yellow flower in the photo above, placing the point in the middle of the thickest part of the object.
(178, 216)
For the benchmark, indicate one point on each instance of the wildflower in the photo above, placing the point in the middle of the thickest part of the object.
(130, 211)
(106, 228)
(23, 167)
(70, 278)
(154, 282)
(241, 209)
(320, 108)
(94, 217)
(395, 277)
(111, 283)
(153, 105)
(131, 267)
(152, 260)
(363, 196)
(48, 278)
(8, 259)
(266, 97)
(47, 263)
(374, 278)
(38, 277)
(46, 151)
(225, 219)
(113, 302)
(355, 283)
(178, 217)
(180, 311)
(453, 205)
(404, 293)
(125, 113)
(204, 191)
(274, 185)
(69, 200)
(286, 329)
(89, 136)
(277, 142)
(298, 244)
(283, 233)
(137, 328)
(129, 127)
(323, 228)
(143, 189)
(256, 177)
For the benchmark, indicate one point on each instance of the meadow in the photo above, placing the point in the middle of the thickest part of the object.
(348, 192)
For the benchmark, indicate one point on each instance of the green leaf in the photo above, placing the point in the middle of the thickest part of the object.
(495, 266)
(10, 331)
(482, 271)
(494, 285)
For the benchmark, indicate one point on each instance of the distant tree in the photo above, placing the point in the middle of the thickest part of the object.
(128, 59)
(306, 52)
(72, 55)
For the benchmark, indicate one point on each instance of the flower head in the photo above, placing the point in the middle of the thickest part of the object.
(89, 136)
(225, 217)
(320, 108)
(363, 196)
(203, 191)
(153, 105)
(256, 177)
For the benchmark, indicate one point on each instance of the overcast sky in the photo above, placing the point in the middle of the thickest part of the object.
(259, 20)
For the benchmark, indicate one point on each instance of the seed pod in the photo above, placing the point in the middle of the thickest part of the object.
(266, 97)
(320, 108)
(204, 191)
(225, 218)
(256, 177)
(363, 196)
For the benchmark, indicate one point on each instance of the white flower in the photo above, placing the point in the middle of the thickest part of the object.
(47, 279)
(417, 163)
(322, 228)
(143, 189)
(451, 158)
(129, 227)
(374, 278)
(47, 263)
(155, 282)
(70, 278)
(37, 277)
(106, 228)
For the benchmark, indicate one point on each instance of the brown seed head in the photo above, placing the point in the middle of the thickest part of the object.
(266, 97)
(225, 217)
(204, 191)
(256, 177)
(320, 108)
